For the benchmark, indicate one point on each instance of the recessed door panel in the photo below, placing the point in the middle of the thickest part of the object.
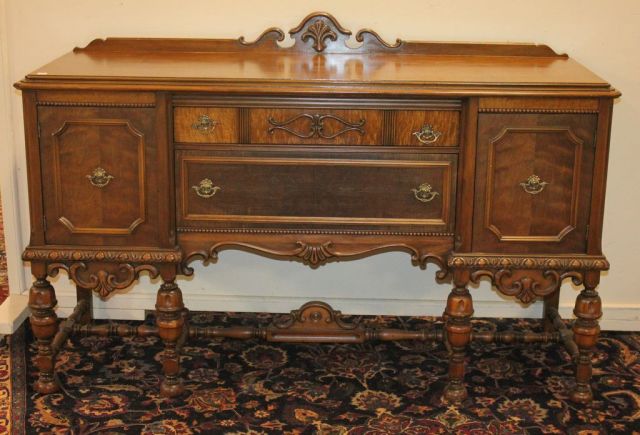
(532, 182)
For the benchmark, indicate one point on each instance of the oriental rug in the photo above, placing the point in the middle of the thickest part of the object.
(110, 385)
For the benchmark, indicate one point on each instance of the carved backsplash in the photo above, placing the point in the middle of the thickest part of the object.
(321, 32)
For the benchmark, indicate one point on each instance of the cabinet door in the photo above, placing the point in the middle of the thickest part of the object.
(99, 185)
(533, 182)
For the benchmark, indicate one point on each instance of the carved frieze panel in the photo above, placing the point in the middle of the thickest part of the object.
(104, 279)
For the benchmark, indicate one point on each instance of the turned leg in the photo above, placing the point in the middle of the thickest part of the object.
(550, 301)
(84, 294)
(170, 318)
(588, 310)
(458, 328)
(44, 323)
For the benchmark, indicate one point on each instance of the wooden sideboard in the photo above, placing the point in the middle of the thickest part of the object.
(488, 160)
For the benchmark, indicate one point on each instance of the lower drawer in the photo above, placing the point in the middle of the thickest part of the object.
(241, 191)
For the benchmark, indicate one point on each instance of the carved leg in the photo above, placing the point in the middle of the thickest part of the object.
(552, 300)
(170, 320)
(86, 295)
(458, 327)
(44, 323)
(588, 310)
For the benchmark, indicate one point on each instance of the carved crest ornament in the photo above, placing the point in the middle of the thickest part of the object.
(322, 33)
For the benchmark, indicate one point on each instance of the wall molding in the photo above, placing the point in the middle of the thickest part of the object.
(14, 309)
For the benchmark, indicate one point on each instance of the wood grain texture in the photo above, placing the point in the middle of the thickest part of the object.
(315, 126)
(147, 154)
(187, 124)
(407, 123)
(558, 149)
(77, 141)
(316, 191)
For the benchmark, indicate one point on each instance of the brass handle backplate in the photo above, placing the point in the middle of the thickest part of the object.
(205, 124)
(427, 135)
(424, 193)
(533, 185)
(100, 178)
(206, 188)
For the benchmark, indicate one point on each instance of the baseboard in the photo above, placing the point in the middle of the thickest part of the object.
(132, 307)
(13, 311)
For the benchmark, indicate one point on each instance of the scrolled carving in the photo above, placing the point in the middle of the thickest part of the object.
(105, 279)
(322, 33)
(316, 314)
(314, 253)
(525, 286)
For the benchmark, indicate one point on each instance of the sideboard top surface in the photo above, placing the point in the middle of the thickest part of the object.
(323, 56)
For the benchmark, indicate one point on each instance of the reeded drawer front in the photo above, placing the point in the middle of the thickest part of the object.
(346, 192)
(426, 128)
(206, 124)
(316, 126)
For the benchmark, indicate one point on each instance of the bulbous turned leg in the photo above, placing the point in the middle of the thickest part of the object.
(170, 320)
(44, 323)
(458, 328)
(588, 310)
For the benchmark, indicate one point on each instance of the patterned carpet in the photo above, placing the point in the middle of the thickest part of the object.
(4, 285)
(252, 387)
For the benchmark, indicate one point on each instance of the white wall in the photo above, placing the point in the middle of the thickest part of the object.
(604, 36)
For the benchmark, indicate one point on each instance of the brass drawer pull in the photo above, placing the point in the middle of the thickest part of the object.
(206, 189)
(205, 124)
(427, 134)
(533, 185)
(100, 178)
(424, 193)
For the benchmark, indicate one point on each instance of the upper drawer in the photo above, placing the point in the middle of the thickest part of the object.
(426, 128)
(206, 124)
(230, 190)
(316, 126)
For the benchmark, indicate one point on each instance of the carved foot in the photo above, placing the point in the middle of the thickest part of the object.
(581, 394)
(170, 318)
(455, 392)
(44, 323)
(458, 328)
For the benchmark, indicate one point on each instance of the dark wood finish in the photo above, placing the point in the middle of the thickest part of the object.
(170, 323)
(588, 310)
(220, 124)
(77, 141)
(320, 191)
(44, 324)
(458, 326)
(85, 295)
(488, 160)
(315, 126)
(559, 149)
